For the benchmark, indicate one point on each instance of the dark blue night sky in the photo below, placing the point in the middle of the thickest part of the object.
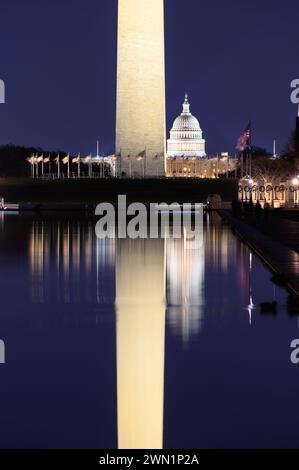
(235, 58)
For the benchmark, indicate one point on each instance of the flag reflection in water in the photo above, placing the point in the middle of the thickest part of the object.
(68, 264)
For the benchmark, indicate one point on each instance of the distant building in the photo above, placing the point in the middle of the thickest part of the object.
(280, 192)
(186, 150)
(186, 136)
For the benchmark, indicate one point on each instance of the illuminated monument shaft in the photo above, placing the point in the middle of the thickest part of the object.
(140, 337)
(140, 120)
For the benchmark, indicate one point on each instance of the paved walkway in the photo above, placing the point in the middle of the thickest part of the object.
(279, 228)
(281, 259)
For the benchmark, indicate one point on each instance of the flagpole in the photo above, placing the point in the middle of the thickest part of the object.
(100, 164)
(120, 164)
(79, 165)
(242, 165)
(32, 166)
(37, 166)
(250, 150)
(58, 166)
(68, 167)
(30, 160)
(248, 165)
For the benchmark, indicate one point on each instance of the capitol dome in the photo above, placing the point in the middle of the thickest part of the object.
(186, 135)
(186, 122)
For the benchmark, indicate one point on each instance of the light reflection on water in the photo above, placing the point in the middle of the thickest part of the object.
(82, 262)
(162, 299)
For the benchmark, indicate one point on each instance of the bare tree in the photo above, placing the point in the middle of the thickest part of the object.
(270, 171)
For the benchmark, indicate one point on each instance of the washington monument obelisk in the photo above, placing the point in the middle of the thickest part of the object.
(140, 114)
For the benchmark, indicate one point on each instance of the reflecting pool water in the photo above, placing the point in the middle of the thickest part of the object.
(140, 343)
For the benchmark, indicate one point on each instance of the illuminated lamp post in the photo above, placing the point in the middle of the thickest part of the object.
(295, 183)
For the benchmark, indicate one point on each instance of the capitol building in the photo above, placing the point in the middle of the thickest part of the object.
(186, 150)
(186, 136)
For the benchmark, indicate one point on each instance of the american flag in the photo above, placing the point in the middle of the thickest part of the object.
(244, 139)
(141, 155)
(76, 159)
(31, 160)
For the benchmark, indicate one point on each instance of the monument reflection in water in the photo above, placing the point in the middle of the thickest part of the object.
(151, 277)
(140, 343)
(140, 325)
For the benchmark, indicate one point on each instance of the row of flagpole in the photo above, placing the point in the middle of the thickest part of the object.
(38, 164)
(141, 157)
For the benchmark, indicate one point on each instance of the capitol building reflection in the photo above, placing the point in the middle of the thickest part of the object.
(151, 284)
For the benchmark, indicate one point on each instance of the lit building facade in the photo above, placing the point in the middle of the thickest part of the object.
(186, 136)
(275, 194)
(186, 150)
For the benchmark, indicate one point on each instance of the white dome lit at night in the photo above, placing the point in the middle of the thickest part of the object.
(186, 136)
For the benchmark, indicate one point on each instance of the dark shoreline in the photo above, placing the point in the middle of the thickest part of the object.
(77, 193)
(279, 258)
